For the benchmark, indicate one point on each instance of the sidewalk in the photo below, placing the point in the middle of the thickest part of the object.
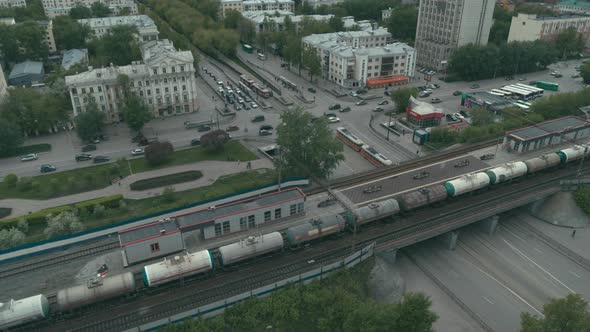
(211, 170)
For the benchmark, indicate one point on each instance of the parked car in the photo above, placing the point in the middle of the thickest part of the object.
(435, 100)
(220, 83)
(533, 83)
(237, 107)
(353, 94)
(137, 138)
(253, 104)
(312, 90)
(464, 113)
(89, 147)
(46, 168)
(423, 94)
(232, 128)
(334, 107)
(258, 118)
(203, 128)
(457, 93)
(361, 91)
(459, 116)
(475, 86)
(387, 93)
(383, 102)
(509, 78)
(333, 119)
(195, 142)
(346, 109)
(246, 107)
(449, 117)
(137, 152)
(361, 102)
(557, 75)
(29, 157)
(575, 75)
(266, 127)
(146, 141)
(522, 78)
(101, 159)
(247, 99)
(83, 157)
(554, 72)
(378, 109)
(264, 132)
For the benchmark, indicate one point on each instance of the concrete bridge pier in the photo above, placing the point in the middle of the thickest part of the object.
(490, 224)
(450, 239)
(389, 256)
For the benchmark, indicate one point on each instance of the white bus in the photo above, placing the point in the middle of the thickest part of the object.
(519, 93)
(498, 92)
(537, 92)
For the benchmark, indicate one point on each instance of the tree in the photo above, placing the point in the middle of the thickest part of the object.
(402, 23)
(136, 113)
(293, 52)
(11, 137)
(569, 314)
(100, 10)
(31, 40)
(232, 19)
(119, 47)
(247, 31)
(214, 140)
(336, 23)
(581, 196)
(62, 224)
(90, 123)
(80, 12)
(157, 153)
(569, 42)
(585, 72)
(69, 33)
(307, 147)
(9, 44)
(10, 180)
(401, 97)
(313, 62)
(11, 237)
(481, 117)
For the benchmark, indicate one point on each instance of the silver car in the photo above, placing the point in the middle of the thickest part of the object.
(29, 157)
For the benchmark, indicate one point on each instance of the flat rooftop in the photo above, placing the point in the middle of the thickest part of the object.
(549, 127)
(147, 231)
(205, 216)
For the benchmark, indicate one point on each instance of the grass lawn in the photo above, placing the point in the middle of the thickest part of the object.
(97, 177)
(166, 180)
(137, 208)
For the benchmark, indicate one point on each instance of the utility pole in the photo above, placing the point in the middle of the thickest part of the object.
(389, 125)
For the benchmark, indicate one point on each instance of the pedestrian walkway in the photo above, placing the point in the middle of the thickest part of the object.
(210, 169)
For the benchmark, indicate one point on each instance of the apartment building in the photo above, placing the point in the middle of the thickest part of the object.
(256, 5)
(55, 8)
(12, 3)
(275, 20)
(444, 25)
(165, 79)
(146, 28)
(525, 27)
(574, 7)
(48, 37)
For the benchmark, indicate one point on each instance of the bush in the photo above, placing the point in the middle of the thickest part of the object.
(214, 140)
(11, 238)
(62, 224)
(166, 180)
(98, 211)
(158, 153)
(109, 202)
(11, 180)
(168, 194)
(24, 184)
(23, 225)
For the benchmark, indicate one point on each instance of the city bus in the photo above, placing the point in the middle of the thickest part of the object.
(498, 92)
(536, 91)
(261, 91)
(523, 103)
(519, 93)
(547, 85)
(349, 139)
(524, 107)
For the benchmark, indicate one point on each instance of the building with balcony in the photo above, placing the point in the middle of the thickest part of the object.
(529, 27)
(574, 7)
(164, 79)
(274, 20)
(146, 28)
(49, 40)
(12, 3)
(256, 5)
(54, 8)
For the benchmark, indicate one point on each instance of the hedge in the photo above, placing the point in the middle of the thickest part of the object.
(28, 149)
(40, 216)
(166, 180)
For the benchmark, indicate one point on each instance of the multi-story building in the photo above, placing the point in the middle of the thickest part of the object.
(444, 25)
(275, 20)
(386, 13)
(49, 40)
(146, 28)
(256, 5)
(3, 85)
(12, 3)
(165, 79)
(525, 27)
(317, 3)
(55, 8)
(574, 7)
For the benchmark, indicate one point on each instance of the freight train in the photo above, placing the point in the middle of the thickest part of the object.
(37, 307)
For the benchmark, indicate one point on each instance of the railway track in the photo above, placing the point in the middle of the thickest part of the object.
(41, 262)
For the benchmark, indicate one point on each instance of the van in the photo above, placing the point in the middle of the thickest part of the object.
(258, 118)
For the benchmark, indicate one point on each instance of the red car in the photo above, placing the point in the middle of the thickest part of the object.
(232, 128)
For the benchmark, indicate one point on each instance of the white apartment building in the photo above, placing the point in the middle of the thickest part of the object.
(527, 27)
(386, 13)
(12, 3)
(256, 5)
(574, 7)
(3, 85)
(48, 38)
(102, 26)
(275, 20)
(444, 25)
(317, 3)
(55, 8)
(165, 79)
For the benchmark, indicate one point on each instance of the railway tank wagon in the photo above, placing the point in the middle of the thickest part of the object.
(178, 267)
(422, 197)
(314, 229)
(573, 153)
(467, 183)
(507, 172)
(250, 247)
(23, 311)
(374, 211)
(542, 162)
(95, 290)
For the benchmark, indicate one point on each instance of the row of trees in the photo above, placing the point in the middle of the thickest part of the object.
(97, 9)
(23, 41)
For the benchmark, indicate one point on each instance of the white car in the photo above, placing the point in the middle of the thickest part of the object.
(29, 157)
(353, 94)
(137, 152)
(254, 105)
(333, 119)
(220, 83)
(459, 116)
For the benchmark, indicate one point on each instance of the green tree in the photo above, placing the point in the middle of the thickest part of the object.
(401, 97)
(307, 147)
(214, 140)
(569, 43)
(581, 195)
(336, 23)
(232, 19)
(402, 23)
(119, 47)
(62, 224)
(32, 111)
(100, 10)
(80, 12)
(10, 180)
(499, 32)
(135, 112)
(293, 51)
(157, 153)
(481, 117)
(585, 72)
(90, 123)
(11, 137)
(247, 31)
(9, 44)
(31, 40)
(69, 33)
(569, 314)
(312, 61)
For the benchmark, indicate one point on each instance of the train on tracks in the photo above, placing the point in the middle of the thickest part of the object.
(37, 307)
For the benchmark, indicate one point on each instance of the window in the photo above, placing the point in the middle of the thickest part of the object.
(175, 88)
(176, 98)
(166, 81)
(99, 89)
(225, 227)
(184, 88)
(181, 67)
(277, 213)
(185, 97)
(163, 70)
(83, 90)
(157, 91)
(141, 93)
(174, 69)
(217, 229)
(155, 71)
(147, 83)
(103, 108)
(166, 90)
(139, 83)
(251, 221)
(174, 79)
(243, 223)
(91, 90)
(299, 207)
(101, 98)
(267, 216)
(149, 92)
(182, 78)
(186, 108)
(155, 247)
(293, 209)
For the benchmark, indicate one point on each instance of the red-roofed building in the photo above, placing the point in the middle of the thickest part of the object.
(422, 114)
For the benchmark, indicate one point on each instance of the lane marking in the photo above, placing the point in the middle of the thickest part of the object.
(488, 300)
(575, 274)
(538, 266)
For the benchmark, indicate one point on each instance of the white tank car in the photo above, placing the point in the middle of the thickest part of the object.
(507, 171)
(95, 290)
(177, 267)
(315, 229)
(542, 162)
(467, 183)
(250, 247)
(17, 312)
(376, 210)
(573, 153)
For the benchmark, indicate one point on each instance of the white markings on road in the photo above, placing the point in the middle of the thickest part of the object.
(575, 274)
(488, 300)
(538, 266)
